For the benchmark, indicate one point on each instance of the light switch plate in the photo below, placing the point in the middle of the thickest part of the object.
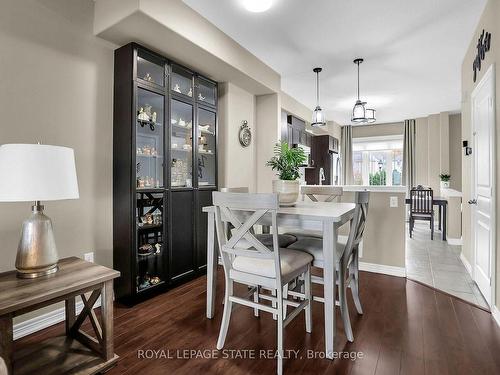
(393, 202)
(89, 257)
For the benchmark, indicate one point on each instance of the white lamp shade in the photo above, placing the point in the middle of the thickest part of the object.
(37, 173)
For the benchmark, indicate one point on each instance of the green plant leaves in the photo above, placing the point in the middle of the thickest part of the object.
(286, 161)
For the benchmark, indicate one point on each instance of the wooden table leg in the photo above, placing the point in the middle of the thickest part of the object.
(211, 266)
(329, 255)
(6, 341)
(107, 320)
(440, 216)
(70, 311)
(444, 222)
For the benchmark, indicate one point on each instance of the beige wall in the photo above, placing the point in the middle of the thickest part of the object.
(57, 87)
(268, 116)
(237, 164)
(432, 149)
(378, 130)
(488, 22)
(456, 151)
(384, 238)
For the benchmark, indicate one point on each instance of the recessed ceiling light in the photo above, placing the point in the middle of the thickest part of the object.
(257, 6)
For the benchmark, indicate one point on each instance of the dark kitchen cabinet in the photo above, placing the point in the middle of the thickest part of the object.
(164, 171)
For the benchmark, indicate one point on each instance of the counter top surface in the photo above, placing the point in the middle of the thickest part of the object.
(382, 189)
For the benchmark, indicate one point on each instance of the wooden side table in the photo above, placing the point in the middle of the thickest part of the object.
(77, 352)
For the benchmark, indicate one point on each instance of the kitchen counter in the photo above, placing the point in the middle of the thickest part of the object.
(385, 189)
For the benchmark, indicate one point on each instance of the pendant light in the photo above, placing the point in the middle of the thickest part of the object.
(318, 117)
(360, 114)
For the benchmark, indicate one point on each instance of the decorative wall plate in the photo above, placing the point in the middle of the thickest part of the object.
(245, 134)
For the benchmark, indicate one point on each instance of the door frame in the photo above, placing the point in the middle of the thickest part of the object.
(488, 76)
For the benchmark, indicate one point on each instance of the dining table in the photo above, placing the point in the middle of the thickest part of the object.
(326, 217)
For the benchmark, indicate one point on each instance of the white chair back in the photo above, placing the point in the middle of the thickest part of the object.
(358, 224)
(313, 192)
(228, 209)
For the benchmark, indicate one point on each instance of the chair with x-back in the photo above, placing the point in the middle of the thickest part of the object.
(248, 261)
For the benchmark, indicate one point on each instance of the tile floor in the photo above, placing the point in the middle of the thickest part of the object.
(438, 264)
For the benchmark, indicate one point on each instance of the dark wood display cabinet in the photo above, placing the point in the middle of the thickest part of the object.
(164, 171)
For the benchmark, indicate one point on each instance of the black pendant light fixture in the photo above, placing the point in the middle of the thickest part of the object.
(318, 117)
(361, 114)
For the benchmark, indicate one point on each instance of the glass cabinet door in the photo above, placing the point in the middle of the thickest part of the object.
(149, 140)
(181, 81)
(206, 91)
(206, 161)
(150, 240)
(150, 68)
(181, 144)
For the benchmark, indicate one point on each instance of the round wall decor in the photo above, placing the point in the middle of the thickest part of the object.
(245, 134)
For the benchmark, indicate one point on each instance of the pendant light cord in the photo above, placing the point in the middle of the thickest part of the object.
(317, 89)
(358, 79)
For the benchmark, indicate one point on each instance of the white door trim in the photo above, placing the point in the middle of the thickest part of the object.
(488, 76)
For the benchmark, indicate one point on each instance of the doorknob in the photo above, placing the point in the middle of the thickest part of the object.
(473, 201)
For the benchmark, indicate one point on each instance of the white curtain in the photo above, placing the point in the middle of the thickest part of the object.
(346, 155)
(409, 155)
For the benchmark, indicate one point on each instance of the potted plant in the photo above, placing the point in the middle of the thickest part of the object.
(286, 162)
(445, 180)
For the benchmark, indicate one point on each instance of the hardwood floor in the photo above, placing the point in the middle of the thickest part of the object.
(407, 328)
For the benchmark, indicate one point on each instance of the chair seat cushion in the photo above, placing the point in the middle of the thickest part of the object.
(306, 233)
(267, 240)
(291, 261)
(314, 246)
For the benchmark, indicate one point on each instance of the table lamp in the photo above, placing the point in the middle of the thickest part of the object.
(34, 172)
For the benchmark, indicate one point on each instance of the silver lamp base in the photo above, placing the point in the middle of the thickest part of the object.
(37, 252)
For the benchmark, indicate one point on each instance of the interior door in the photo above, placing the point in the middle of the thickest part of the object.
(483, 210)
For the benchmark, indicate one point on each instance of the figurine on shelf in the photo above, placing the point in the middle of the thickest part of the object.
(155, 280)
(190, 93)
(148, 78)
(204, 128)
(173, 121)
(189, 125)
(177, 88)
(201, 97)
(142, 116)
(141, 183)
(146, 249)
(158, 248)
(139, 151)
(154, 152)
(153, 117)
(182, 122)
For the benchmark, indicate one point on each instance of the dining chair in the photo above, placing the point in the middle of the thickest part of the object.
(347, 266)
(421, 208)
(248, 261)
(316, 194)
(267, 239)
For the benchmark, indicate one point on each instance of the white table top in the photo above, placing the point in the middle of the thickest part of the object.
(318, 211)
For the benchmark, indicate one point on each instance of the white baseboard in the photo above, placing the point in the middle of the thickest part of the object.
(45, 320)
(466, 264)
(383, 269)
(496, 314)
(454, 241)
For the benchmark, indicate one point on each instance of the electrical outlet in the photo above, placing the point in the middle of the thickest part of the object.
(393, 202)
(89, 257)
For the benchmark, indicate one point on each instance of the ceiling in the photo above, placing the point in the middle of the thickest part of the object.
(413, 50)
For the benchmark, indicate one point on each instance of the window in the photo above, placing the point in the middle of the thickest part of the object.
(378, 160)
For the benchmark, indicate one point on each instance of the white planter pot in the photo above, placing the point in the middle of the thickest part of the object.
(445, 184)
(288, 191)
